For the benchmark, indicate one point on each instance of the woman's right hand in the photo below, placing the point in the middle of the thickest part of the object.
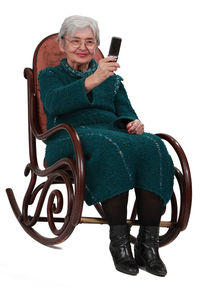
(106, 68)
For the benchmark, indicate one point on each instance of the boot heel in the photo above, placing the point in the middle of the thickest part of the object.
(120, 249)
(146, 251)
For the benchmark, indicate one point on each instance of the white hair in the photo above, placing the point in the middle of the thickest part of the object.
(74, 23)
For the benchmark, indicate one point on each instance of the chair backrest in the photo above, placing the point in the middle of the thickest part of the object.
(48, 54)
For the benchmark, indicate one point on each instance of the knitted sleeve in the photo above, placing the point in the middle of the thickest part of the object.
(123, 108)
(58, 98)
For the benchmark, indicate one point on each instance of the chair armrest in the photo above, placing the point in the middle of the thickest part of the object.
(78, 150)
(74, 137)
(186, 195)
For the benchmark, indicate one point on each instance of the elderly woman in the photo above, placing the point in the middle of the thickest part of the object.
(119, 156)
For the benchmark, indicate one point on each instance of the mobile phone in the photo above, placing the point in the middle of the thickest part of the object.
(115, 47)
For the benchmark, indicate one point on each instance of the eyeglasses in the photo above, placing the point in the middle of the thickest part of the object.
(76, 43)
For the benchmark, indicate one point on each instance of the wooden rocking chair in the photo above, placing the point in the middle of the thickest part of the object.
(71, 173)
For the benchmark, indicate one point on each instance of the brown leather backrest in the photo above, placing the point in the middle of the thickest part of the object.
(48, 54)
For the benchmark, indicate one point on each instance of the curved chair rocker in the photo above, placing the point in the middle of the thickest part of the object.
(71, 173)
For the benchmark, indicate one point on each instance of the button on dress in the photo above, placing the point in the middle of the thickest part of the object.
(115, 160)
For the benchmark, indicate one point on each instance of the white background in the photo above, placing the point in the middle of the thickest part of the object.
(160, 64)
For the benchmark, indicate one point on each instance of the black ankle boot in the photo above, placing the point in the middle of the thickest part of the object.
(120, 249)
(146, 251)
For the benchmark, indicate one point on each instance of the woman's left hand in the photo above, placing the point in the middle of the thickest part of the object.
(135, 127)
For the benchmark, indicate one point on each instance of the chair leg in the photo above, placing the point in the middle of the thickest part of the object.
(54, 207)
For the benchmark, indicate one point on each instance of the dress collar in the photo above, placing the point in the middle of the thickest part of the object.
(78, 74)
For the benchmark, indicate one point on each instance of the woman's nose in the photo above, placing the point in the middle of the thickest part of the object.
(82, 45)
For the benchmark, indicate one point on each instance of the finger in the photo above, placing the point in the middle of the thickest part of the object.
(132, 123)
(140, 130)
(132, 130)
(134, 126)
(112, 64)
(111, 69)
(110, 59)
(139, 127)
(107, 60)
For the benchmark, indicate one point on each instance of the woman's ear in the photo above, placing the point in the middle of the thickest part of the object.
(61, 45)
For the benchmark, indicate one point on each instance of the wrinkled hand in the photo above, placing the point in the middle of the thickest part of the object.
(106, 68)
(135, 127)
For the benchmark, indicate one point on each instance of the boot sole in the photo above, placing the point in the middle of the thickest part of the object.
(126, 272)
(151, 272)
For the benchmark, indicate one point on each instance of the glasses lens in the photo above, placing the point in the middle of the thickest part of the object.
(90, 43)
(77, 43)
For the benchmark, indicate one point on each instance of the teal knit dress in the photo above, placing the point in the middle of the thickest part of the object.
(115, 160)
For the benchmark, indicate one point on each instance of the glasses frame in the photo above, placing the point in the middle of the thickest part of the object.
(81, 41)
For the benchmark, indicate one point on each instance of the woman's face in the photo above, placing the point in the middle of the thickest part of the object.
(80, 47)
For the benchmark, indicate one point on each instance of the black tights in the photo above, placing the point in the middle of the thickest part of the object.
(149, 208)
(115, 209)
